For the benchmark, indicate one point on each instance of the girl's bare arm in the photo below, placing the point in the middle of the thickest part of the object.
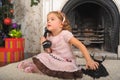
(90, 63)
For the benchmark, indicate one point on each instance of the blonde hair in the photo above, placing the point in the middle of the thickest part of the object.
(62, 17)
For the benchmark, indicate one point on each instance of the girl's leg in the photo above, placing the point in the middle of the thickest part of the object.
(23, 65)
(29, 67)
(32, 69)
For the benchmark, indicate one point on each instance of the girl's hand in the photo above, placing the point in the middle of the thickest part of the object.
(48, 50)
(42, 39)
(91, 64)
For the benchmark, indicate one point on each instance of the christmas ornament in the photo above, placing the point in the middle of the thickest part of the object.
(7, 21)
(12, 11)
(14, 25)
(15, 33)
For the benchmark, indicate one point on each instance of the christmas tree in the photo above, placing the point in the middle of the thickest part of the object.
(8, 28)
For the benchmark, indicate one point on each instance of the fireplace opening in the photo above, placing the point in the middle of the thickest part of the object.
(88, 26)
(95, 23)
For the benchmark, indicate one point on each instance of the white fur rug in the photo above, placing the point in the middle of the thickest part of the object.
(11, 72)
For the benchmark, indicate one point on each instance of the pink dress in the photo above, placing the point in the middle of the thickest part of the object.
(61, 58)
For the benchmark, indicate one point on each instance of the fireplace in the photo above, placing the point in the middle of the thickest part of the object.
(94, 22)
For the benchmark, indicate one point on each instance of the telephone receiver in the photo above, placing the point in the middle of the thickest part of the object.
(46, 32)
(47, 43)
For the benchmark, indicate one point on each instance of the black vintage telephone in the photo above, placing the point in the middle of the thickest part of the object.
(100, 72)
(46, 44)
(46, 32)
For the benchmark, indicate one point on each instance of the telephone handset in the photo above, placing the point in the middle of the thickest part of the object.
(46, 32)
(46, 44)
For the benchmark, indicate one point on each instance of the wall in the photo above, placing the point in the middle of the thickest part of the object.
(30, 19)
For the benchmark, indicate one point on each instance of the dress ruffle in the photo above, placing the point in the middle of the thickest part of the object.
(59, 74)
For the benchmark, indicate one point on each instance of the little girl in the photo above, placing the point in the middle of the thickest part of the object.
(60, 61)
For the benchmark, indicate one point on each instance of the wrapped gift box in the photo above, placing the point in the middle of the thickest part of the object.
(11, 55)
(14, 42)
(13, 50)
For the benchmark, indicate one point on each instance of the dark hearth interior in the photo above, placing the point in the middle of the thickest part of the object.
(95, 23)
(88, 27)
